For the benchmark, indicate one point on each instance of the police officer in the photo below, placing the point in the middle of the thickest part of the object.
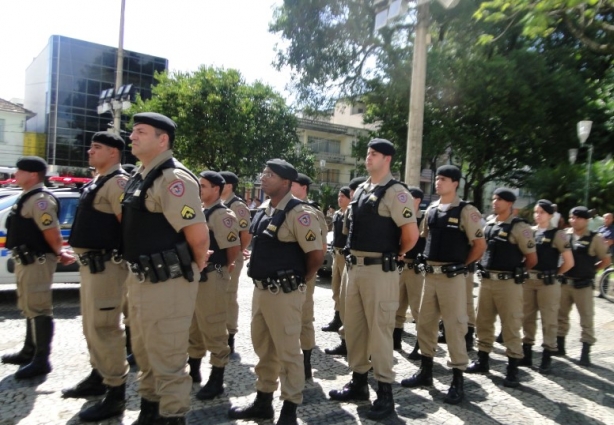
(165, 240)
(383, 228)
(411, 282)
(542, 290)
(510, 252)
(33, 234)
(287, 252)
(590, 254)
(208, 331)
(300, 190)
(96, 239)
(339, 241)
(454, 239)
(241, 211)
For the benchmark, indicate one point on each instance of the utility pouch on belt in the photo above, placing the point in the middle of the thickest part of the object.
(185, 260)
(419, 263)
(519, 275)
(453, 270)
(25, 256)
(148, 268)
(548, 277)
(160, 268)
(98, 261)
(282, 278)
(389, 262)
(172, 262)
(292, 279)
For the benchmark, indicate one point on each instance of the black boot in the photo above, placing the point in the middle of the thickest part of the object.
(511, 378)
(261, 408)
(356, 389)
(585, 359)
(90, 386)
(25, 355)
(424, 376)
(480, 365)
(383, 406)
(307, 363)
(129, 356)
(43, 335)
(172, 420)
(340, 350)
(415, 355)
(113, 404)
(456, 392)
(214, 386)
(560, 343)
(499, 338)
(441, 337)
(287, 416)
(469, 338)
(527, 360)
(397, 336)
(231, 343)
(149, 412)
(544, 367)
(334, 324)
(195, 369)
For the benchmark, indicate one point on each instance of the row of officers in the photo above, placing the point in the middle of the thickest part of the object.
(151, 253)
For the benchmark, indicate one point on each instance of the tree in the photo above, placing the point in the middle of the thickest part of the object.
(224, 123)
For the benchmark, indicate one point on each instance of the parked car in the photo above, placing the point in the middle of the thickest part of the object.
(327, 266)
(68, 206)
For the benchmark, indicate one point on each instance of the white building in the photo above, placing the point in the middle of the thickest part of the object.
(13, 119)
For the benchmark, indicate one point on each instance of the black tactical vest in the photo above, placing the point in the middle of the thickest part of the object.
(339, 239)
(584, 263)
(445, 241)
(418, 248)
(94, 229)
(219, 255)
(369, 231)
(501, 254)
(24, 231)
(145, 232)
(547, 255)
(269, 254)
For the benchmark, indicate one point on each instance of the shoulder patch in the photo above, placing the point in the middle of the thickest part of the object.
(527, 233)
(402, 197)
(121, 197)
(122, 183)
(479, 233)
(310, 236)
(242, 212)
(42, 204)
(231, 237)
(531, 244)
(407, 213)
(46, 219)
(243, 223)
(176, 188)
(188, 213)
(304, 219)
(475, 217)
(227, 222)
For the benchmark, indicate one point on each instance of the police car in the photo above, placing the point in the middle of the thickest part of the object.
(69, 198)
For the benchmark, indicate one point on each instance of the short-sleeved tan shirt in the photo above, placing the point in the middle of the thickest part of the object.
(470, 220)
(560, 241)
(597, 248)
(108, 199)
(176, 194)
(244, 218)
(521, 235)
(42, 207)
(225, 227)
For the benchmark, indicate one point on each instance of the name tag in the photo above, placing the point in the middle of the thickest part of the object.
(502, 234)
(453, 220)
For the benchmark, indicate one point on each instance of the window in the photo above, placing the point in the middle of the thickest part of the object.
(2, 131)
(329, 176)
(318, 144)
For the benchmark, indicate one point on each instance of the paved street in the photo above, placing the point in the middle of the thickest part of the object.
(569, 395)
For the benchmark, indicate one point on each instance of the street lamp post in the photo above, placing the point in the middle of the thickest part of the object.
(584, 130)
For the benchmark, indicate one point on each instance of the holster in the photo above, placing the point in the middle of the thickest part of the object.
(389, 262)
(171, 264)
(520, 274)
(24, 255)
(549, 277)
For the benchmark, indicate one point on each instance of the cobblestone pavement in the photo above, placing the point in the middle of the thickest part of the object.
(569, 395)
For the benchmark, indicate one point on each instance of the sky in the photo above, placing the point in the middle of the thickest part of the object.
(189, 33)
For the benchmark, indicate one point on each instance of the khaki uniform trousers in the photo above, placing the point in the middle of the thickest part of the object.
(102, 299)
(371, 304)
(335, 284)
(308, 332)
(410, 294)
(444, 297)
(342, 296)
(583, 299)
(34, 287)
(545, 299)
(276, 327)
(502, 297)
(232, 289)
(160, 317)
(470, 305)
(208, 329)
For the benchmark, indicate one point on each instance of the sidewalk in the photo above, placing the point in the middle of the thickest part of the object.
(569, 395)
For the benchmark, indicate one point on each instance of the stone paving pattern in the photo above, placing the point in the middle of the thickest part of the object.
(569, 395)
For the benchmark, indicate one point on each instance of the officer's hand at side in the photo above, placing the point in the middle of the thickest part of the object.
(246, 254)
(66, 258)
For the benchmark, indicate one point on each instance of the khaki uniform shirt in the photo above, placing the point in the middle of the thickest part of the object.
(224, 225)
(42, 207)
(239, 208)
(560, 241)
(521, 235)
(597, 248)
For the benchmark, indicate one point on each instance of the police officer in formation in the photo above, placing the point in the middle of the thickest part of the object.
(208, 330)
(383, 228)
(339, 241)
(300, 190)
(287, 252)
(509, 254)
(590, 254)
(33, 235)
(454, 239)
(241, 211)
(411, 282)
(96, 240)
(165, 240)
(542, 290)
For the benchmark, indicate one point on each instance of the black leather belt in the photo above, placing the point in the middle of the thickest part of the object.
(364, 261)
(446, 268)
(212, 267)
(496, 276)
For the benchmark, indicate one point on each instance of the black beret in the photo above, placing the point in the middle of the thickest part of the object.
(581, 212)
(450, 171)
(505, 194)
(109, 139)
(357, 181)
(546, 205)
(303, 179)
(32, 164)
(382, 146)
(283, 169)
(214, 177)
(230, 177)
(156, 120)
(416, 192)
(345, 190)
